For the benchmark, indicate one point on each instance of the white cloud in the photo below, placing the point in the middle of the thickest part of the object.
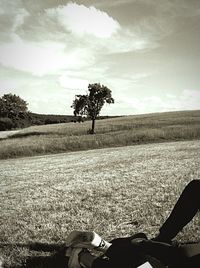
(20, 17)
(71, 52)
(6, 85)
(73, 83)
(12, 16)
(42, 58)
(81, 20)
(186, 100)
(126, 41)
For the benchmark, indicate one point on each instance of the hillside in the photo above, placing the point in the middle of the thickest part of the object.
(45, 119)
(32, 119)
(128, 130)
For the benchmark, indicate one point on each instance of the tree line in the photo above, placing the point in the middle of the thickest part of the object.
(14, 111)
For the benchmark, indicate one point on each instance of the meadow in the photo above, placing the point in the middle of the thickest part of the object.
(122, 131)
(114, 191)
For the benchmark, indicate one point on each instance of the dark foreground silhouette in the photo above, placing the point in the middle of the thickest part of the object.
(56, 257)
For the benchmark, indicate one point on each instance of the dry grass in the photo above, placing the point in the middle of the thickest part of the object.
(129, 130)
(115, 191)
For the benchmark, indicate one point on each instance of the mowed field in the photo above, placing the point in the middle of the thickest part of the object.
(114, 191)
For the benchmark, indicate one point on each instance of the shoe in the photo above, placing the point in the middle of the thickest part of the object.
(84, 239)
(74, 258)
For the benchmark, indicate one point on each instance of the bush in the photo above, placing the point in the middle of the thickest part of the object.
(51, 121)
(6, 123)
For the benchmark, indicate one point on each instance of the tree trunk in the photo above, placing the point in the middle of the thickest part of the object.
(93, 126)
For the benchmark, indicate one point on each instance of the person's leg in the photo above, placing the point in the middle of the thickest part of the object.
(129, 252)
(120, 255)
(132, 253)
(185, 209)
(136, 251)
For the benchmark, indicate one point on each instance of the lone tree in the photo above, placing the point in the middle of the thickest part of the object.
(92, 103)
(12, 106)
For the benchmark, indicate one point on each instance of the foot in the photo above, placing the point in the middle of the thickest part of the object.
(85, 239)
(74, 258)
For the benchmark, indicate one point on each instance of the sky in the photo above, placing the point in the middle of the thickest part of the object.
(146, 51)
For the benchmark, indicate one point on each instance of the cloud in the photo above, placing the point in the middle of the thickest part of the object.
(30, 57)
(73, 83)
(56, 50)
(42, 58)
(106, 3)
(41, 46)
(12, 17)
(186, 100)
(81, 20)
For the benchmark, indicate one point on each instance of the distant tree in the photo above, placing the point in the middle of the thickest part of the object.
(92, 103)
(12, 106)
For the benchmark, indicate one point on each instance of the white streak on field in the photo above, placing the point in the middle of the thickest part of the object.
(6, 134)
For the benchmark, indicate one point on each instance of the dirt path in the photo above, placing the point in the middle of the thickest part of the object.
(6, 134)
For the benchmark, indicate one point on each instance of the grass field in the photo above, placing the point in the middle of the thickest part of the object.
(114, 191)
(129, 130)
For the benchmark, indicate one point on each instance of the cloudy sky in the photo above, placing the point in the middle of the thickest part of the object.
(146, 51)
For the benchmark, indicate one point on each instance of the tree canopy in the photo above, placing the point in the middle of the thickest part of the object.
(92, 103)
(12, 106)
